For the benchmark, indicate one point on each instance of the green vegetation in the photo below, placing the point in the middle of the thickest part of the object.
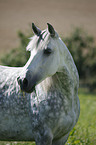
(17, 56)
(84, 133)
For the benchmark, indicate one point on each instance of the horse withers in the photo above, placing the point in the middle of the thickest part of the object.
(49, 108)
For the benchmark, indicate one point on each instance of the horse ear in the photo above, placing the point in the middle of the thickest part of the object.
(51, 30)
(36, 30)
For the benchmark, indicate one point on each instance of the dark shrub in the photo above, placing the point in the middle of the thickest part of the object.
(83, 50)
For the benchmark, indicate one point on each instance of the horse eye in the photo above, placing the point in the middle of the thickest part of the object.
(47, 50)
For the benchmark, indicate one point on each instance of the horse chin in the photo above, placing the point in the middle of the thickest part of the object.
(30, 90)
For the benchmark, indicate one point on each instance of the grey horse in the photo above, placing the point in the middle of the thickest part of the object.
(39, 102)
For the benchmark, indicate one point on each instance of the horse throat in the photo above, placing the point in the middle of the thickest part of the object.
(59, 82)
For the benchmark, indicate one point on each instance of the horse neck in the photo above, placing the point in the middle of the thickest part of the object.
(60, 87)
(66, 81)
(58, 83)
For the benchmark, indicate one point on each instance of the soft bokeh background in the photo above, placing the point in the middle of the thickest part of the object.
(75, 21)
(62, 14)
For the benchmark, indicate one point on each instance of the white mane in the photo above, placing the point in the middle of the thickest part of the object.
(33, 44)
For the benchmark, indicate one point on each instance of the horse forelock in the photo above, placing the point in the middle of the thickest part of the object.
(38, 41)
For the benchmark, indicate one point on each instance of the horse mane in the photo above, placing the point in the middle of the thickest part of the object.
(35, 40)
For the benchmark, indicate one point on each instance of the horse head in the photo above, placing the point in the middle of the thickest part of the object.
(45, 59)
(48, 55)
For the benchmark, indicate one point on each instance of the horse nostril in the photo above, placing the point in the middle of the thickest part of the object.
(19, 80)
(25, 82)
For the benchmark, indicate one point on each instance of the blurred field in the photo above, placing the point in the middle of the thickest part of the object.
(84, 132)
(63, 14)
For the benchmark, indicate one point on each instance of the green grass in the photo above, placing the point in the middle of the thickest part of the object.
(84, 133)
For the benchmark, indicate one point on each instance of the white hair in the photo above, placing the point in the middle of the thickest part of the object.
(33, 44)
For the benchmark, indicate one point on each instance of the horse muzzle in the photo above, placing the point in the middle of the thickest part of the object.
(26, 85)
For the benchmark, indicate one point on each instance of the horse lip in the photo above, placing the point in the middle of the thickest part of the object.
(30, 90)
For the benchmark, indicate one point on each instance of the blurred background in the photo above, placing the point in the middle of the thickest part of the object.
(62, 14)
(75, 21)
